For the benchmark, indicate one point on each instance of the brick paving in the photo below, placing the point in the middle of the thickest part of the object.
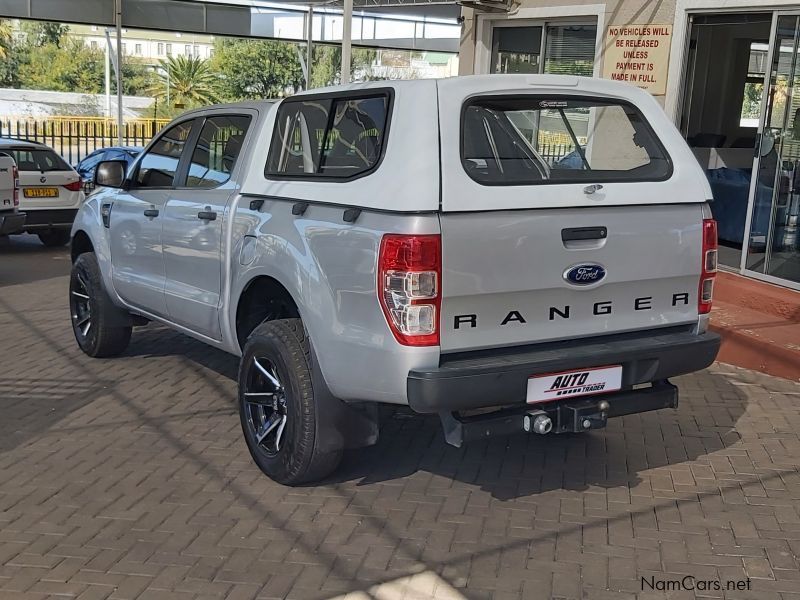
(128, 478)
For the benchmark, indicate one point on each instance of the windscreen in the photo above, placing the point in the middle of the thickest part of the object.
(534, 140)
(37, 160)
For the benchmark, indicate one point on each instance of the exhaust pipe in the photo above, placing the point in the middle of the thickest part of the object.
(537, 422)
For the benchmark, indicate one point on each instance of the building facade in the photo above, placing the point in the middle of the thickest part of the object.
(725, 72)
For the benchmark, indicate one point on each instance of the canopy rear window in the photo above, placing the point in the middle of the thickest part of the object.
(519, 140)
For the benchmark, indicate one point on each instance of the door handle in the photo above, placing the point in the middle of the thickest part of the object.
(151, 212)
(583, 233)
(207, 215)
(591, 189)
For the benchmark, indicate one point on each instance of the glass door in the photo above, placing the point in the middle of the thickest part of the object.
(773, 249)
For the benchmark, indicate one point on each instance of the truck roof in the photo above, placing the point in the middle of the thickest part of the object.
(469, 84)
(252, 104)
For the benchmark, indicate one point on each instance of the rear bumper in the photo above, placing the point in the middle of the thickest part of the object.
(12, 223)
(50, 219)
(494, 378)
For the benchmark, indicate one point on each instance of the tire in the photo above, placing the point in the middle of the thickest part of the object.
(53, 238)
(98, 324)
(289, 452)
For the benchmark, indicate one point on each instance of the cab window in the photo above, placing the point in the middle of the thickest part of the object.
(216, 151)
(336, 138)
(159, 165)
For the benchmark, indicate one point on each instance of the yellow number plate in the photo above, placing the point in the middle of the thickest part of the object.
(42, 192)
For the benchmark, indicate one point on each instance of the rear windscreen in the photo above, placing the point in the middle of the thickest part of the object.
(37, 160)
(533, 139)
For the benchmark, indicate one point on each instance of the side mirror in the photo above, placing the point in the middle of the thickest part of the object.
(110, 173)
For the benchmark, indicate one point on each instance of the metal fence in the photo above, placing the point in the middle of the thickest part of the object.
(554, 152)
(74, 138)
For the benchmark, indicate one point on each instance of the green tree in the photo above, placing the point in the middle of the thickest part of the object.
(138, 78)
(13, 54)
(327, 65)
(252, 69)
(187, 81)
(70, 68)
(6, 38)
(43, 33)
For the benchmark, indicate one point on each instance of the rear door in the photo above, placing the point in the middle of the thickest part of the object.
(564, 216)
(194, 222)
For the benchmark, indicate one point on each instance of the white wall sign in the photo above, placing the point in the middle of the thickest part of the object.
(639, 55)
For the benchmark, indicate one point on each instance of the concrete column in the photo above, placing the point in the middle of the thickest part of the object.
(120, 119)
(309, 46)
(347, 30)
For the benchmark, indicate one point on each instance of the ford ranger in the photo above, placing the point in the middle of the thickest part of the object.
(511, 253)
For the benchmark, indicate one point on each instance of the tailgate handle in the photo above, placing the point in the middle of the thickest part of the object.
(583, 233)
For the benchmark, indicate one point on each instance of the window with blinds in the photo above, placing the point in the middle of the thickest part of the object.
(569, 49)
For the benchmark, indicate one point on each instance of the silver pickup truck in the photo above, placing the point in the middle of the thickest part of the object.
(513, 253)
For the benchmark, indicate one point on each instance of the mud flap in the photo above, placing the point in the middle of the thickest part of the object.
(339, 424)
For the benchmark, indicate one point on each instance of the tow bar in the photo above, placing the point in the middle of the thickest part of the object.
(558, 417)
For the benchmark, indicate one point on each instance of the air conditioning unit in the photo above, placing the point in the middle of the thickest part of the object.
(490, 6)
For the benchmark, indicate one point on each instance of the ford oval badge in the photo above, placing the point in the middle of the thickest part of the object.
(585, 274)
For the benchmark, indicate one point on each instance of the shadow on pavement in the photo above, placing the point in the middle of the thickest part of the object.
(32, 406)
(523, 465)
(156, 340)
(520, 465)
(23, 259)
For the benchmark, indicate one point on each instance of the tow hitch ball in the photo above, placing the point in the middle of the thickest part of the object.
(575, 418)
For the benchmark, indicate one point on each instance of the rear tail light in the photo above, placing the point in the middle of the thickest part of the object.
(409, 287)
(15, 176)
(75, 186)
(709, 267)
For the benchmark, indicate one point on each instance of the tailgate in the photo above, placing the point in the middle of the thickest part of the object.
(517, 277)
(571, 208)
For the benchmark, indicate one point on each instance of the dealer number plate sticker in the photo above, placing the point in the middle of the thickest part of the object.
(570, 384)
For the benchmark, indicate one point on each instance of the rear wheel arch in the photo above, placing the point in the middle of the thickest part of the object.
(263, 299)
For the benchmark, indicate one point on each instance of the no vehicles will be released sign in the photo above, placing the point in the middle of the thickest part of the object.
(639, 55)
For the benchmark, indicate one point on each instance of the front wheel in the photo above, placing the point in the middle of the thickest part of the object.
(54, 238)
(277, 405)
(100, 327)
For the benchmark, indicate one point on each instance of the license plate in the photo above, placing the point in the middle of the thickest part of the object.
(40, 192)
(570, 384)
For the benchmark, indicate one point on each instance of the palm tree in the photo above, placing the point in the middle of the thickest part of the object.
(6, 33)
(186, 81)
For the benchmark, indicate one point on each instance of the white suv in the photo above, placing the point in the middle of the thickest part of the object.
(50, 193)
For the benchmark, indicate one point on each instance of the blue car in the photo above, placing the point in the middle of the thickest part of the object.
(87, 166)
